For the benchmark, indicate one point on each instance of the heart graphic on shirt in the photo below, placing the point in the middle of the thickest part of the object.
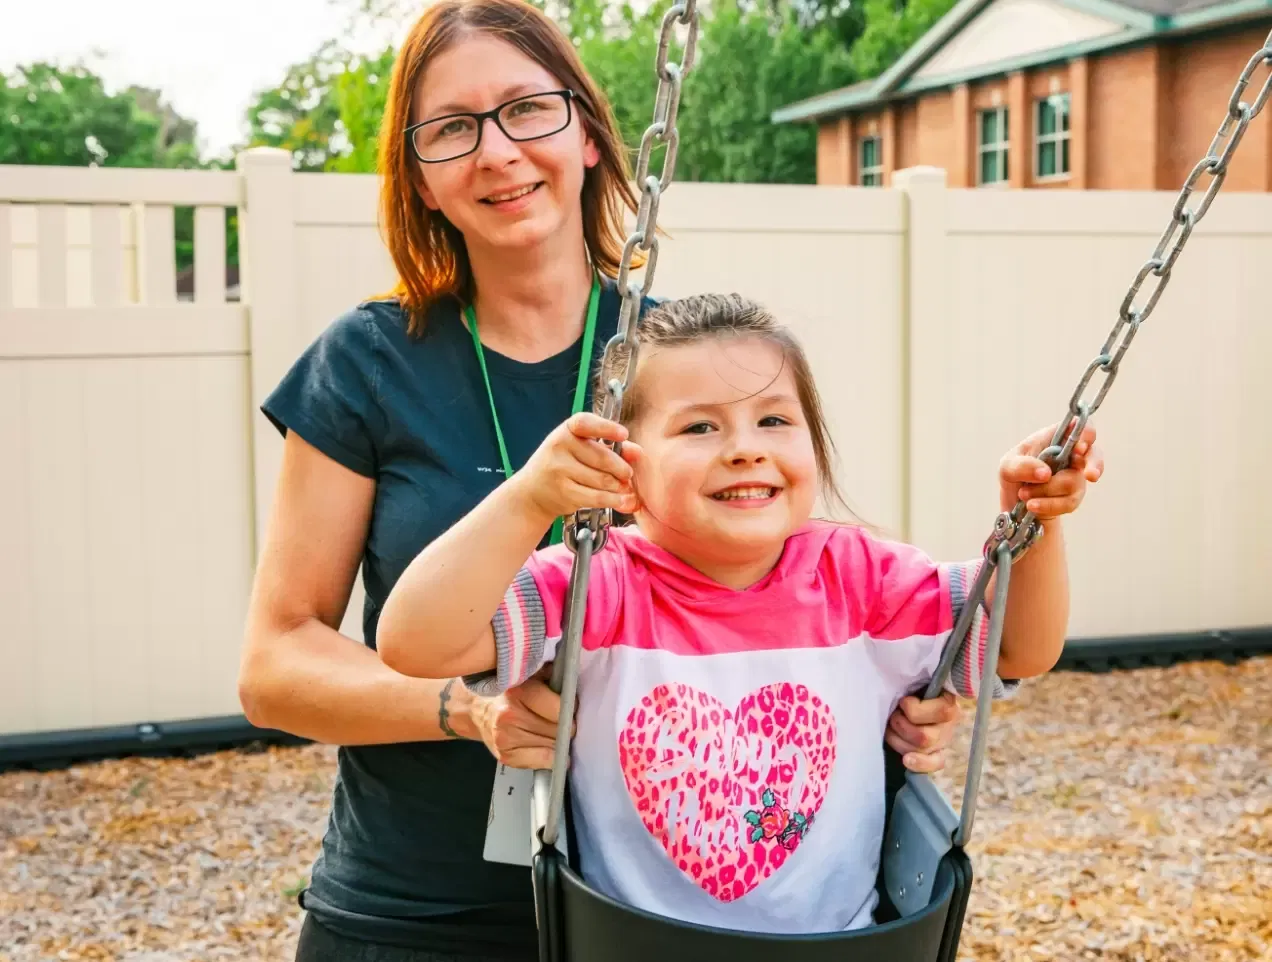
(729, 793)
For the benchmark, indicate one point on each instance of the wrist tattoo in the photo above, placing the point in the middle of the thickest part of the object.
(443, 713)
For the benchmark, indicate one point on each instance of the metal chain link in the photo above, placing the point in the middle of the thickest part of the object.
(1019, 527)
(644, 235)
(587, 532)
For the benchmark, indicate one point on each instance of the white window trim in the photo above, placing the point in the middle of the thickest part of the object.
(862, 170)
(998, 146)
(1059, 137)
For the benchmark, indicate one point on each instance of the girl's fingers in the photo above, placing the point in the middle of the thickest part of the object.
(927, 764)
(590, 479)
(1065, 483)
(1023, 469)
(588, 497)
(600, 457)
(1053, 507)
(593, 426)
(1093, 464)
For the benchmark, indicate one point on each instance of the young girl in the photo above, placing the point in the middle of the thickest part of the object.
(740, 661)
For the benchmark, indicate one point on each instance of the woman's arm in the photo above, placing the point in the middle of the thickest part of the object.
(298, 673)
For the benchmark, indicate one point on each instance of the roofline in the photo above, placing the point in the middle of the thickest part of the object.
(943, 30)
(891, 84)
(1068, 52)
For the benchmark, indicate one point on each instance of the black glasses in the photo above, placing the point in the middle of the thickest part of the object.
(457, 135)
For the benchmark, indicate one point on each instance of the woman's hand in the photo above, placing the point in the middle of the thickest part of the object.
(519, 726)
(572, 469)
(920, 731)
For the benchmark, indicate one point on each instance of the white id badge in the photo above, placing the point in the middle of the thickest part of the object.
(508, 827)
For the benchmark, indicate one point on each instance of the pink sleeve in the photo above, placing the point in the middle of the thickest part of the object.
(528, 622)
(911, 599)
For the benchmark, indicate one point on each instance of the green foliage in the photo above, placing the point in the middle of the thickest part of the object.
(326, 112)
(64, 116)
(891, 29)
(752, 64)
(360, 94)
(301, 114)
(749, 63)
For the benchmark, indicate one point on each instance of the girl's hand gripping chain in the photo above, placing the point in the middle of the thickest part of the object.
(572, 470)
(1024, 476)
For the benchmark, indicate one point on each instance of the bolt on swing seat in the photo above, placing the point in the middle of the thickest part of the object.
(925, 875)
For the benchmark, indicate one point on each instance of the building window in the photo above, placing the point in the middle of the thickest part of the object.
(870, 161)
(993, 145)
(1051, 149)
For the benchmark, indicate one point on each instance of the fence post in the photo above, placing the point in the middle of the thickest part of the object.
(267, 266)
(925, 375)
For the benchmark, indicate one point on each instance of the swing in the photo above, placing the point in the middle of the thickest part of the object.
(925, 875)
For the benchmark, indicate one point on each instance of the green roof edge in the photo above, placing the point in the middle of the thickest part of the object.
(1140, 26)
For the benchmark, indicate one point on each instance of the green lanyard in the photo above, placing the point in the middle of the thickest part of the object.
(585, 364)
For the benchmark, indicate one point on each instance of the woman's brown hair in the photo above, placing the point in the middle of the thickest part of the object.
(688, 320)
(427, 250)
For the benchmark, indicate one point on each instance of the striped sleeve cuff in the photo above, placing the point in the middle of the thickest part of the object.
(969, 662)
(520, 637)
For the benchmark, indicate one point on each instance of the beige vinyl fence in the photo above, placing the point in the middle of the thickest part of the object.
(943, 326)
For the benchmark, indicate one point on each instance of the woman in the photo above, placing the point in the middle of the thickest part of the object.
(504, 183)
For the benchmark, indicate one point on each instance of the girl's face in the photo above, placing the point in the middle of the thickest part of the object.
(484, 193)
(729, 470)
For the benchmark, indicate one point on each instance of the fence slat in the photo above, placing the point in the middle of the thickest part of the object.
(24, 233)
(6, 258)
(19, 653)
(50, 246)
(79, 256)
(108, 256)
(156, 255)
(209, 255)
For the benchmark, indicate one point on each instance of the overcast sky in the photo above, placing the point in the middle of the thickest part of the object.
(207, 57)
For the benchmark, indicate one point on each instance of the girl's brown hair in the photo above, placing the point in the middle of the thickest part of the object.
(427, 250)
(691, 319)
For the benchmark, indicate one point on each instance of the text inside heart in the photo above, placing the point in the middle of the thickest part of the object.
(729, 793)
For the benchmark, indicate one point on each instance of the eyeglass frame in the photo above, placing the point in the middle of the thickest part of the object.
(493, 114)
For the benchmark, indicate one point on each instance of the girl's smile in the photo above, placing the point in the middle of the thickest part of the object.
(727, 469)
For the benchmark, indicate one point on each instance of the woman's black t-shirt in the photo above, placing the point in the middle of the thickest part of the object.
(401, 861)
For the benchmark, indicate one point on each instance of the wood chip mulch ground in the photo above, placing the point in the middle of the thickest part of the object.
(1124, 817)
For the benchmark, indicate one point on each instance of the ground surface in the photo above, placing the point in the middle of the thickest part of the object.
(1124, 817)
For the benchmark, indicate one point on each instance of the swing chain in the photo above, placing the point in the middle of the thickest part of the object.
(1019, 528)
(644, 235)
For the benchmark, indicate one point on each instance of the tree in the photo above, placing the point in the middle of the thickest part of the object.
(890, 30)
(63, 115)
(301, 114)
(361, 92)
(326, 111)
(749, 63)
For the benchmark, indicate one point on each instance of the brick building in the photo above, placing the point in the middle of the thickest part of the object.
(1111, 94)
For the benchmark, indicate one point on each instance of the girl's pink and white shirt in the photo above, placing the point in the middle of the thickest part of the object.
(728, 766)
